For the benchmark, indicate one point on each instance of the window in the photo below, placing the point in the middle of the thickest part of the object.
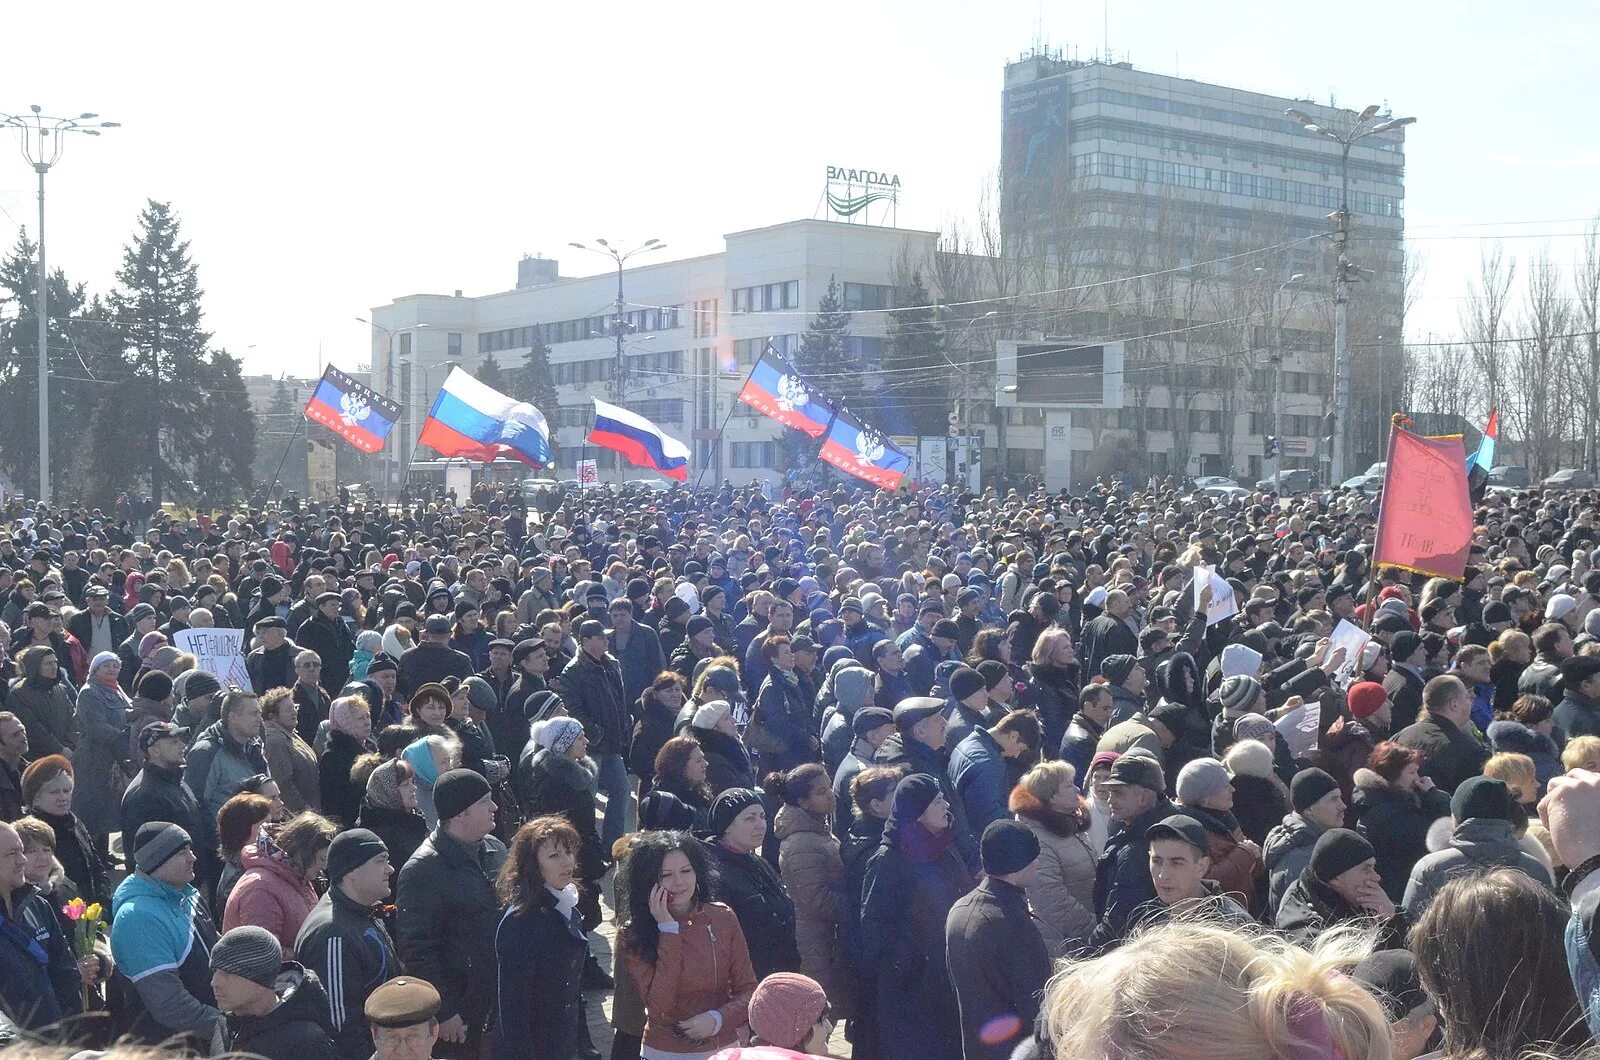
(868, 296)
(405, 344)
(705, 318)
(452, 344)
(660, 410)
(745, 351)
(753, 454)
(767, 296)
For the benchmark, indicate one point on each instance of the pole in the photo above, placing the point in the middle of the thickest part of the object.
(716, 444)
(281, 460)
(41, 307)
(1341, 320)
(621, 372)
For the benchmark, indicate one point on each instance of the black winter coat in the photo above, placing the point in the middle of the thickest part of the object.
(1396, 823)
(999, 964)
(341, 797)
(727, 764)
(540, 983)
(331, 640)
(1055, 698)
(447, 917)
(1452, 755)
(428, 663)
(1122, 877)
(549, 783)
(592, 692)
(299, 1028)
(402, 831)
(752, 888)
(920, 758)
(157, 794)
(1311, 907)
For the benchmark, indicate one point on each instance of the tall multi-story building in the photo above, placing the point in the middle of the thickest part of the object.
(1180, 212)
(695, 327)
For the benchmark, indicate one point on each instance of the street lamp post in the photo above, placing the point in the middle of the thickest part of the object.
(960, 424)
(1275, 328)
(43, 139)
(619, 323)
(1343, 266)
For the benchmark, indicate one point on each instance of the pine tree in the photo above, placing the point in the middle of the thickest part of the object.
(271, 439)
(177, 385)
(537, 385)
(229, 438)
(916, 397)
(490, 375)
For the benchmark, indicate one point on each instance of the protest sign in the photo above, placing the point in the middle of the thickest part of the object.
(220, 652)
(1223, 603)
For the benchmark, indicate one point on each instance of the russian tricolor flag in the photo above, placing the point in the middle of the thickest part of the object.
(352, 410)
(642, 442)
(858, 450)
(472, 420)
(775, 389)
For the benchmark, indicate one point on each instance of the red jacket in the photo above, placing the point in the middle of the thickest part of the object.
(270, 894)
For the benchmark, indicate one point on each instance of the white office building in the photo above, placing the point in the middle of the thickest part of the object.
(695, 327)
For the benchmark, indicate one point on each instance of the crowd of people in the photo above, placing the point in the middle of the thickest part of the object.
(1125, 773)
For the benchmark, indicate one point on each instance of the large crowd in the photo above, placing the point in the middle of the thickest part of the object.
(1130, 773)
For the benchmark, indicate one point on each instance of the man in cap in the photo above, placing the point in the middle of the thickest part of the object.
(343, 938)
(593, 690)
(161, 939)
(448, 909)
(158, 791)
(1483, 839)
(97, 627)
(870, 729)
(325, 633)
(919, 746)
(40, 984)
(432, 660)
(141, 619)
(271, 662)
(1179, 870)
(275, 1009)
(404, 1016)
(1136, 790)
(1127, 679)
(994, 952)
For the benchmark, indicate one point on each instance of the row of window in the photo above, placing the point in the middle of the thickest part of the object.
(867, 295)
(658, 410)
(1271, 123)
(1230, 150)
(746, 351)
(1199, 421)
(1254, 185)
(638, 321)
(767, 296)
(754, 454)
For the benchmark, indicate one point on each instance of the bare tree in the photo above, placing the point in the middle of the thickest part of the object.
(1586, 314)
(1534, 401)
(1483, 318)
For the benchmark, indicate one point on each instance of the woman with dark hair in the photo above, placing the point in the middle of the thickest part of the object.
(684, 952)
(781, 723)
(240, 818)
(912, 881)
(1393, 807)
(749, 884)
(427, 711)
(656, 718)
(813, 872)
(1509, 993)
(680, 770)
(541, 946)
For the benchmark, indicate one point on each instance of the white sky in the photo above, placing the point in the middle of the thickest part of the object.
(325, 158)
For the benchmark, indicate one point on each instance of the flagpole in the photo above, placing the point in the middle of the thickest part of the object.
(716, 443)
(1377, 534)
(281, 460)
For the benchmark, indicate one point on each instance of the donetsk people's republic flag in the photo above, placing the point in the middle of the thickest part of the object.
(1425, 516)
(352, 410)
(858, 450)
(642, 442)
(775, 389)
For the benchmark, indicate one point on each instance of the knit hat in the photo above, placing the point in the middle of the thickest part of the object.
(155, 844)
(1117, 667)
(41, 772)
(1366, 699)
(1170, 714)
(1102, 758)
(383, 784)
(966, 682)
(708, 715)
(994, 673)
(139, 611)
(249, 952)
(1250, 758)
(869, 719)
(662, 811)
(381, 662)
(1481, 797)
(1251, 727)
(1008, 846)
(1240, 659)
(784, 1008)
(728, 805)
(369, 640)
(150, 642)
(912, 797)
(1238, 694)
(945, 629)
(1309, 787)
(455, 792)
(1495, 613)
(1337, 852)
(155, 686)
(1201, 779)
(351, 850)
(196, 684)
(1404, 645)
(163, 657)
(559, 734)
(104, 658)
(480, 693)
(698, 624)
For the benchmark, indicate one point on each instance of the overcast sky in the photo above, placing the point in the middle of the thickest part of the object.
(325, 158)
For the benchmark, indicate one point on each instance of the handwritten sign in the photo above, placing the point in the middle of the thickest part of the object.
(220, 652)
(1223, 603)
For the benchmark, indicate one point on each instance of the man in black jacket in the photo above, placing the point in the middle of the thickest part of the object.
(1108, 633)
(276, 1009)
(1083, 734)
(592, 689)
(97, 627)
(1443, 734)
(448, 911)
(142, 618)
(1578, 713)
(918, 745)
(1137, 792)
(158, 792)
(343, 938)
(325, 633)
(271, 662)
(432, 660)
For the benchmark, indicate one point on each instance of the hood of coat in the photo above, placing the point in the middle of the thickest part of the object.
(267, 857)
(1371, 789)
(1486, 841)
(301, 999)
(580, 773)
(793, 819)
(1295, 832)
(852, 685)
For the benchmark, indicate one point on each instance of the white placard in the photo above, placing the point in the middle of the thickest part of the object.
(1223, 603)
(1298, 728)
(689, 595)
(1352, 638)
(220, 652)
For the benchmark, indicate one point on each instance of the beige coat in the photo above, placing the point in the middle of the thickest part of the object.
(1062, 894)
(813, 874)
(292, 763)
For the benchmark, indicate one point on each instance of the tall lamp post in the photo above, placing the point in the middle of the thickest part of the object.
(960, 424)
(619, 325)
(1346, 139)
(43, 138)
(1275, 332)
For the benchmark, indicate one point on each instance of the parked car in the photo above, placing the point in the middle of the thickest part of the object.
(1294, 480)
(1213, 480)
(656, 484)
(1224, 491)
(1510, 477)
(1366, 483)
(1569, 478)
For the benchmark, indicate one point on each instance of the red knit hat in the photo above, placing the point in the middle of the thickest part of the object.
(1366, 698)
(784, 1008)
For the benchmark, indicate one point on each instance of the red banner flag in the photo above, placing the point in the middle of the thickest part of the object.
(1425, 516)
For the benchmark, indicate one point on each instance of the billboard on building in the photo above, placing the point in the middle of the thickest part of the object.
(1058, 374)
(1033, 143)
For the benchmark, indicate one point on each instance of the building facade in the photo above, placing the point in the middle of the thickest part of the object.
(694, 329)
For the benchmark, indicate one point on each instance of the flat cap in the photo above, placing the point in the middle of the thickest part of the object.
(404, 1001)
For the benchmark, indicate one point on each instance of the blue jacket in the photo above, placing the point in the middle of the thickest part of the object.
(152, 925)
(39, 984)
(1517, 738)
(978, 774)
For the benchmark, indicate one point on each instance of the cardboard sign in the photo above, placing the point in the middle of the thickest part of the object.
(220, 652)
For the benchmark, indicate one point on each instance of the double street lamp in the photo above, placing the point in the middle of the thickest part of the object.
(619, 325)
(43, 138)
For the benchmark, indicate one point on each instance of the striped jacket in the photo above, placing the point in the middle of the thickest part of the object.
(348, 947)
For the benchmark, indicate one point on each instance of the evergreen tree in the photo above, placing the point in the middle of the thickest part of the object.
(229, 435)
(273, 436)
(490, 375)
(917, 397)
(826, 360)
(537, 385)
(178, 385)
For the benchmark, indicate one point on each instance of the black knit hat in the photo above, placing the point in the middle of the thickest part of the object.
(1007, 846)
(965, 682)
(456, 791)
(1308, 788)
(1481, 797)
(1337, 852)
(728, 805)
(912, 797)
(1116, 668)
(351, 850)
(994, 673)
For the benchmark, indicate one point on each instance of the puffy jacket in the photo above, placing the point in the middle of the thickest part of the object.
(351, 952)
(45, 709)
(702, 966)
(550, 783)
(1576, 714)
(40, 983)
(752, 888)
(1236, 862)
(1287, 852)
(813, 873)
(978, 775)
(297, 1028)
(1078, 747)
(999, 964)
(1396, 823)
(1476, 845)
(1451, 754)
(592, 691)
(161, 939)
(447, 916)
(1311, 907)
(1122, 877)
(1055, 696)
(727, 764)
(341, 798)
(270, 894)
(1062, 892)
(1125, 736)
(293, 764)
(216, 766)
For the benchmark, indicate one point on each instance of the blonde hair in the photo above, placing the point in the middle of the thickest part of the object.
(1044, 649)
(1187, 991)
(1581, 752)
(1516, 770)
(1047, 778)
